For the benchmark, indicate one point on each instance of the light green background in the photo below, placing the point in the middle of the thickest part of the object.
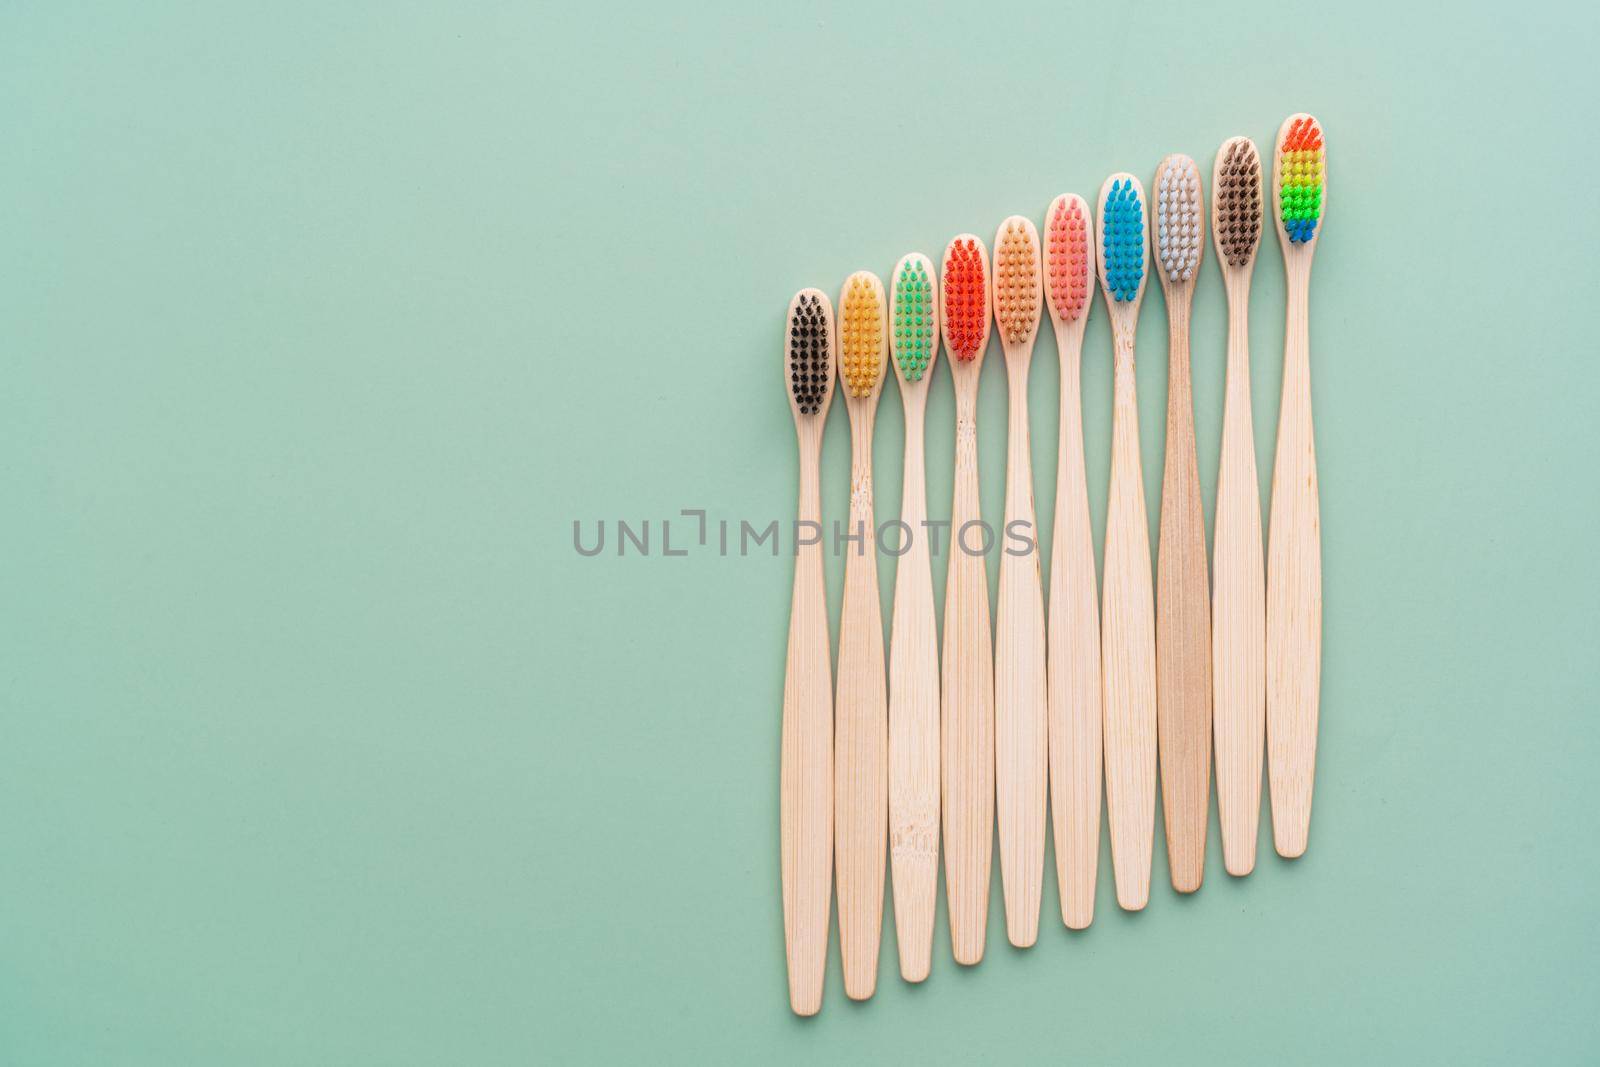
(320, 323)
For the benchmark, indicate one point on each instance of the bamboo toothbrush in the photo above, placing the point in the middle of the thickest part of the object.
(1127, 629)
(967, 738)
(1183, 595)
(1020, 703)
(861, 727)
(1073, 664)
(1294, 540)
(913, 642)
(1239, 600)
(806, 789)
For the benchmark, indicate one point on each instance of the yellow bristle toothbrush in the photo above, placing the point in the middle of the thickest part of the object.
(861, 725)
(1183, 595)
(1127, 628)
(1239, 599)
(806, 784)
(913, 640)
(1073, 662)
(1294, 538)
(967, 734)
(1020, 716)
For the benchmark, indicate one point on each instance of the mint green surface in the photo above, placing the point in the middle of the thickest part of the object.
(320, 324)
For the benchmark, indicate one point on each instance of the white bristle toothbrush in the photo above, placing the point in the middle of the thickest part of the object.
(1127, 628)
(861, 723)
(1020, 703)
(1239, 600)
(967, 734)
(1183, 594)
(913, 639)
(1294, 538)
(1073, 661)
(806, 785)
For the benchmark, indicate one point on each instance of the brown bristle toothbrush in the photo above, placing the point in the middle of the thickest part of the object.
(1020, 703)
(1238, 598)
(913, 639)
(806, 784)
(1183, 595)
(967, 736)
(861, 724)
(1073, 662)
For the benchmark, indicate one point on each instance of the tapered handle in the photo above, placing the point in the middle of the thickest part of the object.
(967, 738)
(1238, 611)
(861, 735)
(1128, 650)
(1020, 701)
(806, 786)
(914, 726)
(1183, 625)
(1294, 590)
(1073, 671)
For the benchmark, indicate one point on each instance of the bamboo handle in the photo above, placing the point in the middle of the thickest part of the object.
(1183, 624)
(1294, 590)
(861, 736)
(914, 726)
(1239, 610)
(1128, 648)
(1073, 669)
(1020, 702)
(806, 785)
(967, 740)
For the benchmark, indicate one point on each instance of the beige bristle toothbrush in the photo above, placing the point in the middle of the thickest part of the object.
(913, 639)
(1183, 593)
(806, 760)
(1127, 622)
(1073, 660)
(861, 720)
(967, 730)
(1238, 579)
(1294, 538)
(1020, 703)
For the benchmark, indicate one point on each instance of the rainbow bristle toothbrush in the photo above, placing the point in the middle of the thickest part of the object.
(1020, 703)
(1294, 539)
(1239, 599)
(1127, 624)
(1183, 595)
(861, 725)
(806, 785)
(1073, 659)
(913, 640)
(967, 734)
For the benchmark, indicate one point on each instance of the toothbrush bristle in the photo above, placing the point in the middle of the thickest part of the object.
(1178, 219)
(1300, 180)
(1016, 281)
(1238, 193)
(860, 337)
(966, 299)
(808, 353)
(1067, 249)
(914, 320)
(1122, 240)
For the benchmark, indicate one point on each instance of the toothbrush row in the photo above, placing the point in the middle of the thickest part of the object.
(1074, 694)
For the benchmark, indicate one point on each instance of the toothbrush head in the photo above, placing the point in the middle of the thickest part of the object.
(1017, 278)
(809, 354)
(1180, 221)
(1122, 239)
(1298, 172)
(1068, 250)
(914, 324)
(863, 320)
(965, 317)
(1236, 201)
